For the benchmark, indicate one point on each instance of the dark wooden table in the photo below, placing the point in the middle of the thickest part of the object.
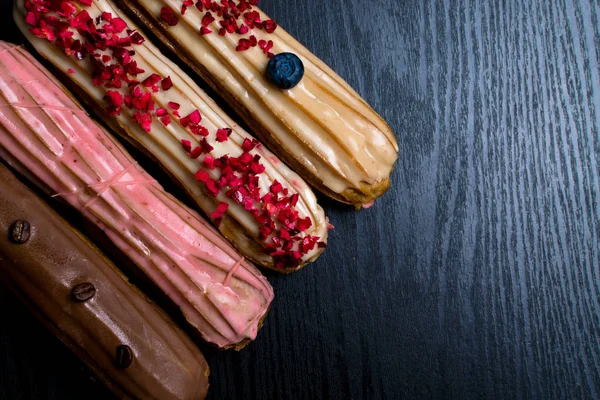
(477, 275)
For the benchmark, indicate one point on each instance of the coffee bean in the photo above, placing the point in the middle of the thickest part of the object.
(20, 232)
(83, 291)
(124, 357)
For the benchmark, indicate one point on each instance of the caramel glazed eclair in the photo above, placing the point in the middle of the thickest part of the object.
(47, 137)
(127, 342)
(321, 127)
(265, 209)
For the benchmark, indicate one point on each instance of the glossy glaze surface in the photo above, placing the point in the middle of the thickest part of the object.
(55, 259)
(53, 139)
(165, 142)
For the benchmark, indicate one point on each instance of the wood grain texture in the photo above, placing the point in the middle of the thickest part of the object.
(478, 274)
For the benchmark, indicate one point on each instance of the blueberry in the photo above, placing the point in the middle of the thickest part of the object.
(285, 70)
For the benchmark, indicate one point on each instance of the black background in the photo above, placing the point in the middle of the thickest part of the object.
(477, 275)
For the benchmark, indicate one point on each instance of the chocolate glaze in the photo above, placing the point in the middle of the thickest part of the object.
(163, 363)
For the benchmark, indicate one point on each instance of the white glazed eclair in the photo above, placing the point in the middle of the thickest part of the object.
(321, 127)
(49, 138)
(266, 210)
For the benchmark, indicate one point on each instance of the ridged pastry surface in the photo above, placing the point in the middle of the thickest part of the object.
(341, 144)
(43, 130)
(255, 219)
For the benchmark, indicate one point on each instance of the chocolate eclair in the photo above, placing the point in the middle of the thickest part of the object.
(128, 343)
(46, 136)
(266, 210)
(306, 113)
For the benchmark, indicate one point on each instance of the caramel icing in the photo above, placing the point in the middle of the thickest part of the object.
(322, 123)
(164, 142)
(55, 259)
(45, 131)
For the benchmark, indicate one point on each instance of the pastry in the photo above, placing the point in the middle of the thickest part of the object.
(47, 136)
(127, 342)
(258, 203)
(321, 127)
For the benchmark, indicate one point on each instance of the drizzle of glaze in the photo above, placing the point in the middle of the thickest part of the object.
(232, 271)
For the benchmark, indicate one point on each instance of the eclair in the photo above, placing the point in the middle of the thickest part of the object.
(268, 212)
(307, 114)
(127, 342)
(46, 136)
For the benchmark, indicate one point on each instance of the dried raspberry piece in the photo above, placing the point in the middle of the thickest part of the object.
(284, 234)
(212, 187)
(220, 211)
(265, 231)
(253, 16)
(245, 158)
(206, 147)
(166, 120)
(132, 68)
(195, 117)
(205, 31)
(187, 145)
(256, 168)
(31, 19)
(173, 106)
(118, 24)
(192, 118)
(223, 134)
(249, 144)
(137, 38)
(199, 130)
(267, 48)
(185, 5)
(143, 119)
(81, 20)
(151, 80)
(209, 162)
(236, 195)
(303, 224)
(207, 19)
(276, 187)
(116, 100)
(196, 152)
(269, 26)
(43, 31)
(166, 83)
(243, 45)
(202, 176)
(121, 54)
(167, 15)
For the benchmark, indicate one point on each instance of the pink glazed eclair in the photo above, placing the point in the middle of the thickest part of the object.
(47, 136)
(267, 211)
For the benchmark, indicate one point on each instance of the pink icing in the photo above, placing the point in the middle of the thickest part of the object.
(369, 204)
(218, 291)
(232, 271)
